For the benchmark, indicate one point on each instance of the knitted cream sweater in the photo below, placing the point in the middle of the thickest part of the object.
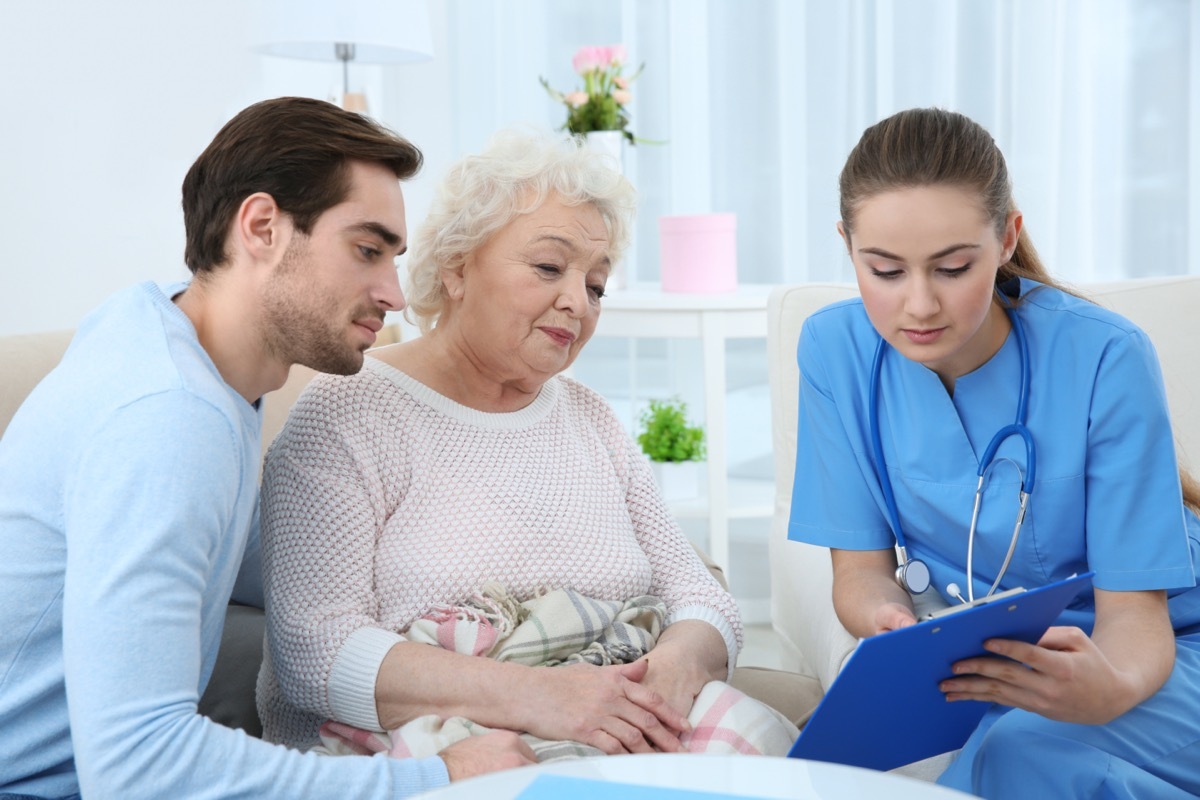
(382, 498)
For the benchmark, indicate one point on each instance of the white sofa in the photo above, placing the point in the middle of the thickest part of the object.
(814, 641)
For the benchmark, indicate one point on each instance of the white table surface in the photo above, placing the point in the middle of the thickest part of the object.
(745, 776)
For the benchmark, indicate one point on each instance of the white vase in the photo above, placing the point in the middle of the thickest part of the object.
(611, 144)
(678, 480)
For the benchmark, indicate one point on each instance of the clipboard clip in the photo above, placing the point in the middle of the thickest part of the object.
(981, 601)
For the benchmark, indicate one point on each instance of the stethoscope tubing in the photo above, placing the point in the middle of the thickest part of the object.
(1017, 428)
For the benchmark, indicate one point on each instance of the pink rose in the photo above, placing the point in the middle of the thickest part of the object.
(588, 58)
(616, 54)
(622, 83)
(576, 99)
(621, 96)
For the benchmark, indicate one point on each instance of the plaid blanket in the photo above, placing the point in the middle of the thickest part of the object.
(562, 627)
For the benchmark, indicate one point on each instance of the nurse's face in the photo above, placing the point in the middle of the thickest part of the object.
(926, 260)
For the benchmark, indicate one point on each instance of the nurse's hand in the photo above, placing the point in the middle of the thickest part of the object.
(893, 616)
(866, 596)
(1072, 678)
(1064, 677)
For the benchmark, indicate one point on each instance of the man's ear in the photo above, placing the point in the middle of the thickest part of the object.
(261, 229)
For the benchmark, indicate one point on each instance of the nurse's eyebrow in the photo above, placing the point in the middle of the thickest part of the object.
(945, 251)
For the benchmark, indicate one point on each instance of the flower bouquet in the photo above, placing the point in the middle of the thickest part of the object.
(601, 104)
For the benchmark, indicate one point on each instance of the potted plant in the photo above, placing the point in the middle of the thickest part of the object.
(601, 106)
(674, 447)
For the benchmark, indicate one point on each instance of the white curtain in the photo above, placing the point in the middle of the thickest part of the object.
(1096, 104)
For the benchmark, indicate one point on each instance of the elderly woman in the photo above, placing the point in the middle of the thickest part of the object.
(458, 484)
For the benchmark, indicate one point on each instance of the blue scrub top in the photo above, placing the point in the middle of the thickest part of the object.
(1107, 496)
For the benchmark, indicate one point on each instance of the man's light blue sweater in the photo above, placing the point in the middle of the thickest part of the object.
(128, 497)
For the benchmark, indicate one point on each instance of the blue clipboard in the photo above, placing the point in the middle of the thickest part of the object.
(885, 710)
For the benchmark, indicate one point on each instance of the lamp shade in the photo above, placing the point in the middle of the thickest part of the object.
(382, 31)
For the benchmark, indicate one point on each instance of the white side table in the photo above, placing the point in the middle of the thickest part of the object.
(645, 311)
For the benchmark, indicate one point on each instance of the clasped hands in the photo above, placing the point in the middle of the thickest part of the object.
(610, 708)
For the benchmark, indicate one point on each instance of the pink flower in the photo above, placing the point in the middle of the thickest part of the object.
(621, 82)
(576, 99)
(621, 96)
(616, 54)
(588, 58)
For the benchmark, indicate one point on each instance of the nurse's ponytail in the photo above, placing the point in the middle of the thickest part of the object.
(935, 147)
(1191, 490)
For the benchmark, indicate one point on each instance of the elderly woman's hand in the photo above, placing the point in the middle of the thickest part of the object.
(605, 707)
(688, 655)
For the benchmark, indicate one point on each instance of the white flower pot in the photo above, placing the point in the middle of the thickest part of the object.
(611, 144)
(678, 480)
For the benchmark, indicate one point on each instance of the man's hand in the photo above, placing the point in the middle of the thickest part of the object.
(491, 752)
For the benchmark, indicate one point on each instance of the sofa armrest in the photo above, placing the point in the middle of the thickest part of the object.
(802, 612)
(229, 697)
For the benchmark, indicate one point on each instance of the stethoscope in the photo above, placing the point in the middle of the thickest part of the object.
(913, 574)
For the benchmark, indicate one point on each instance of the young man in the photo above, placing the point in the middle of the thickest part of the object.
(128, 479)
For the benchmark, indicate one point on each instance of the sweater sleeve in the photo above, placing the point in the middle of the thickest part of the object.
(321, 514)
(148, 505)
(679, 576)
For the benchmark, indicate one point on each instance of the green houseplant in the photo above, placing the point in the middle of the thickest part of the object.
(666, 434)
(675, 448)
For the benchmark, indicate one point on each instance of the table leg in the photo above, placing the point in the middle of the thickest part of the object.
(713, 342)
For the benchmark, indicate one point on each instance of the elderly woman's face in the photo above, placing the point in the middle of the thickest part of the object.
(529, 298)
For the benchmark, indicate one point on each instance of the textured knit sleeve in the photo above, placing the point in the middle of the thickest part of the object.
(322, 510)
(679, 576)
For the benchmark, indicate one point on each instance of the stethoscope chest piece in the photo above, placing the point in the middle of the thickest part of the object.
(913, 575)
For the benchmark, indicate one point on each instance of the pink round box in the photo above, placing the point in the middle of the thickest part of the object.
(698, 253)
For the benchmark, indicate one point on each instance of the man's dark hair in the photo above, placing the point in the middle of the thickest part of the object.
(297, 150)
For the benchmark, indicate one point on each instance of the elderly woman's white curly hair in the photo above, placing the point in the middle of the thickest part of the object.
(515, 174)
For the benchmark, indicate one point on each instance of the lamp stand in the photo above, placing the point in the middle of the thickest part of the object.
(345, 54)
(351, 101)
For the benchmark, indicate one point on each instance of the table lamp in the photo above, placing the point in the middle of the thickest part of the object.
(366, 31)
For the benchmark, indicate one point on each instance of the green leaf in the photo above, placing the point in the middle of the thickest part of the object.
(666, 435)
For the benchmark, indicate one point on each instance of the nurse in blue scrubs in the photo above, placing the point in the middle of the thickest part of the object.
(1107, 704)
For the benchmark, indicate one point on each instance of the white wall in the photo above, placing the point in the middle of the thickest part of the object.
(105, 105)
